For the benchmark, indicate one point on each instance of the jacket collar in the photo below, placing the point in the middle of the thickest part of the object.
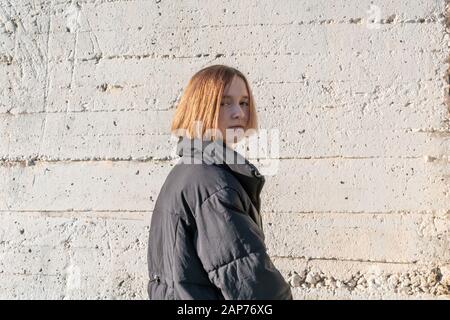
(216, 152)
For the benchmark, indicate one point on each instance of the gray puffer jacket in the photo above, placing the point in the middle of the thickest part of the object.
(206, 239)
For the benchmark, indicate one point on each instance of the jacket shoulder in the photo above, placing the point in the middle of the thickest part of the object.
(187, 186)
(204, 179)
(197, 182)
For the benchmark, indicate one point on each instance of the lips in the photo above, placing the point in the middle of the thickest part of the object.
(236, 127)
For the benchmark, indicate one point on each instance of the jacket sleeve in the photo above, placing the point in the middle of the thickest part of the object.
(231, 248)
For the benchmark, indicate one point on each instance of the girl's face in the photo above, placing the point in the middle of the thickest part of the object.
(234, 111)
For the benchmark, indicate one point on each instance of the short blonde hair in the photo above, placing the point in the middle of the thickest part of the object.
(201, 101)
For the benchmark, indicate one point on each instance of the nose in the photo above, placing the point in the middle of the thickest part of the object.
(238, 112)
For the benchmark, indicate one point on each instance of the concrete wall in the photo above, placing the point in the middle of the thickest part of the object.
(359, 206)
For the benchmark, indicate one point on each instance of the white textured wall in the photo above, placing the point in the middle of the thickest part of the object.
(360, 205)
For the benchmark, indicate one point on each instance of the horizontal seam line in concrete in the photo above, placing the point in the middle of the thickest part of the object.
(33, 274)
(78, 211)
(261, 82)
(62, 275)
(11, 162)
(123, 85)
(407, 130)
(414, 262)
(332, 212)
(279, 106)
(85, 111)
(169, 159)
(80, 2)
(427, 213)
(173, 56)
(351, 21)
(111, 218)
(108, 135)
(273, 107)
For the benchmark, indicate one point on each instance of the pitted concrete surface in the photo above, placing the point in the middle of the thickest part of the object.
(359, 91)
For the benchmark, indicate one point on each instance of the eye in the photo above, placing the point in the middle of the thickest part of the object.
(246, 103)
